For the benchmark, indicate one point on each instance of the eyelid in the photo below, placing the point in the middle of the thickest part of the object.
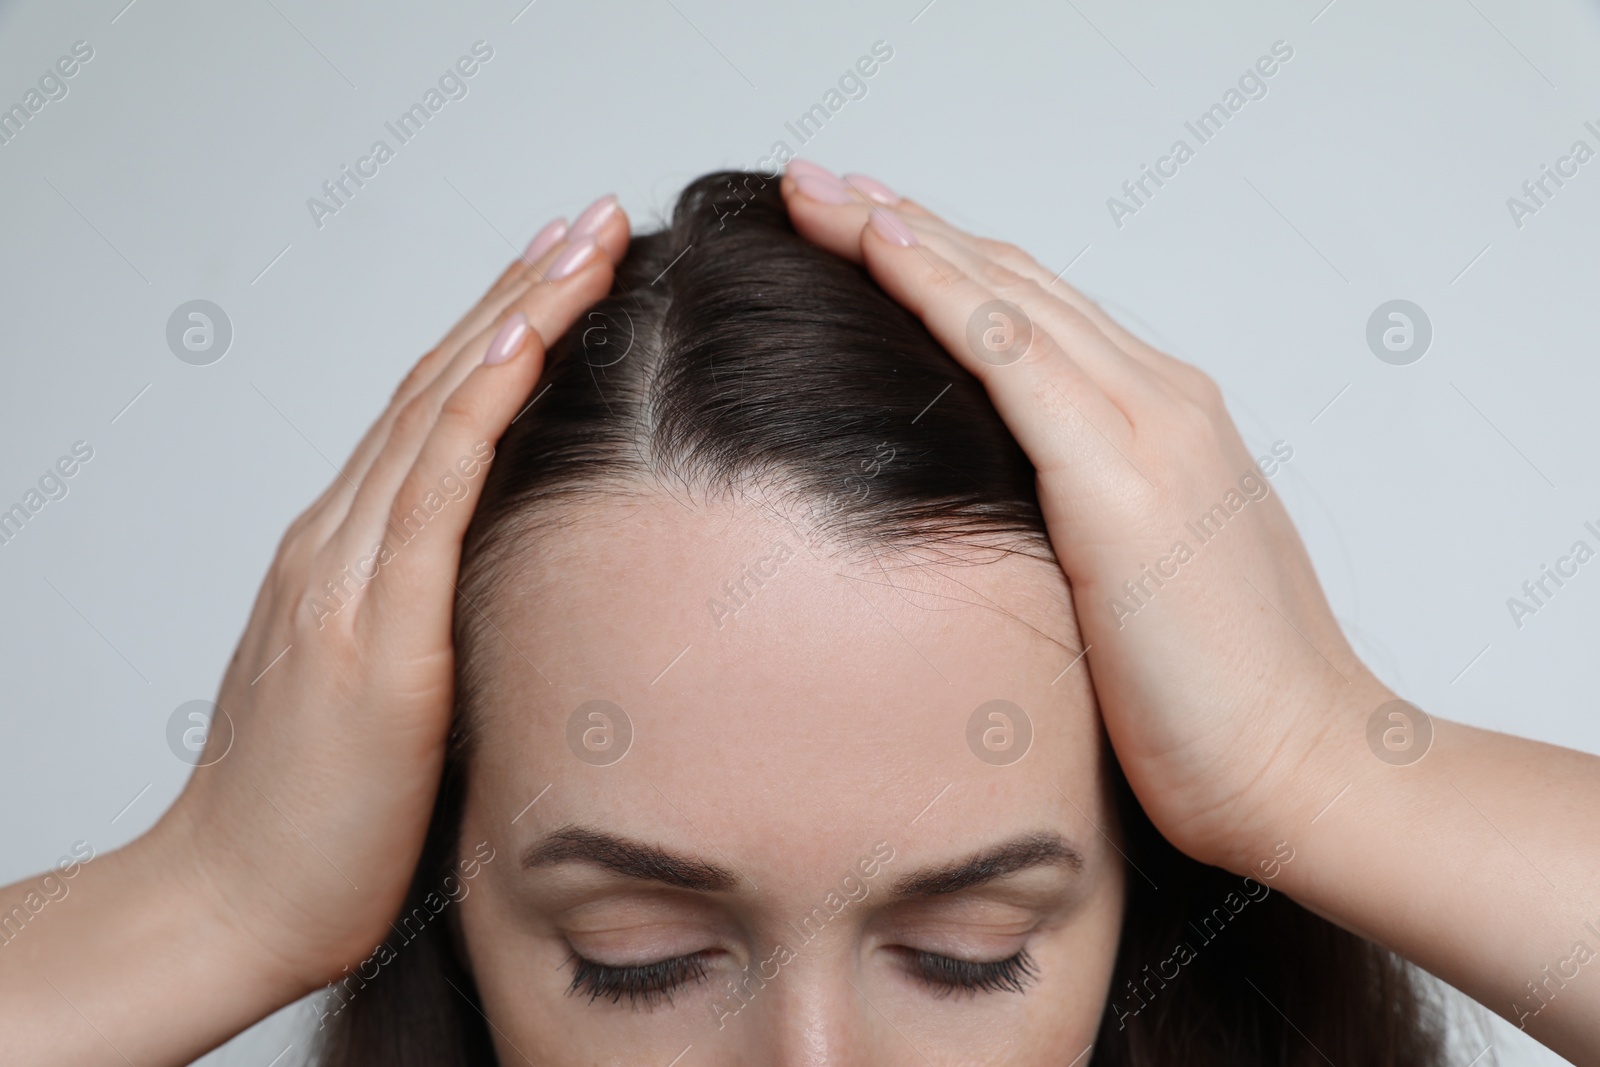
(962, 930)
(1019, 925)
(642, 930)
(656, 925)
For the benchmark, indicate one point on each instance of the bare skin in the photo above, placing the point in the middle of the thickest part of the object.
(222, 907)
(824, 724)
(1236, 708)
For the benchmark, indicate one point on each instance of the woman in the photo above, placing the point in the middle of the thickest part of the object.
(863, 651)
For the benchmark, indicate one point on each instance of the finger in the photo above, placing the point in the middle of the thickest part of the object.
(549, 309)
(1132, 384)
(318, 522)
(611, 235)
(1020, 262)
(556, 229)
(604, 222)
(812, 196)
(825, 209)
(834, 212)
(419, 549)
(549, 235)
(1055, 410)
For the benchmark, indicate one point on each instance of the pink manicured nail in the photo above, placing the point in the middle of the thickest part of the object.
(799, 168)
(827, 190)
(594, 216)
(572, 257)
(872, 189)
(891, 228)
(508, 339)
(545, 239)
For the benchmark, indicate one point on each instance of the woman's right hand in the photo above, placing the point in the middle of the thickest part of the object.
(308, 830)
(293, 845)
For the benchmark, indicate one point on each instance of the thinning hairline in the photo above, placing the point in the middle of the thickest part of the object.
(530, 521)
(965, 539)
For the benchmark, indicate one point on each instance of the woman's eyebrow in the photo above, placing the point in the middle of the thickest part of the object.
(1020, 853)
(631, 859)
(650, 863)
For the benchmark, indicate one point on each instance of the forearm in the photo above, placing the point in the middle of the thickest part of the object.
(1479, 861)
(135, 962)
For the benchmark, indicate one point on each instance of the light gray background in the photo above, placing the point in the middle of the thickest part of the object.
(1377, 167)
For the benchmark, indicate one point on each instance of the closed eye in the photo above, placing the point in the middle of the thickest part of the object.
(946, 974)
(649, 984)
(644, 984)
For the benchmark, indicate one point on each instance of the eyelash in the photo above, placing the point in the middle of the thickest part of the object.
(655, 982)
(647, 982)
(947, 975)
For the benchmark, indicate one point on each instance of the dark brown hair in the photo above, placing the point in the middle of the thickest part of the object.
(732, 354)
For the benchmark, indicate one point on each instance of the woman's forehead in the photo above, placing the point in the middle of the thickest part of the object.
(686, 644)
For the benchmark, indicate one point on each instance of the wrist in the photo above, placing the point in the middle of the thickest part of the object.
(211, 900)
(1314, 770)
(135, 931)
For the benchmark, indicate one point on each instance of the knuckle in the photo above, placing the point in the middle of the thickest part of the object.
(997, 249)
(1015, 254)
(408, 498)
(415, 418)
(294, 546)
(1008, 254)
(1195, 419)
(420, 372)
(334, 584)
(1000, 276)
(1063, 315)
(1203, 387)
(295, 532)
(941, 284)
(460, 410)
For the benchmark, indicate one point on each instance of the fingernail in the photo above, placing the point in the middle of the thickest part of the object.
(799, 168)
(508, 339)
(872, 189)
(545, 239)
(594, 216)
(891, 228)
(574, 256)
(827, 190)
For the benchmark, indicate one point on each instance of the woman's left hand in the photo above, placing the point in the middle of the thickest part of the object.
(1243, 720)
(1215, 657)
